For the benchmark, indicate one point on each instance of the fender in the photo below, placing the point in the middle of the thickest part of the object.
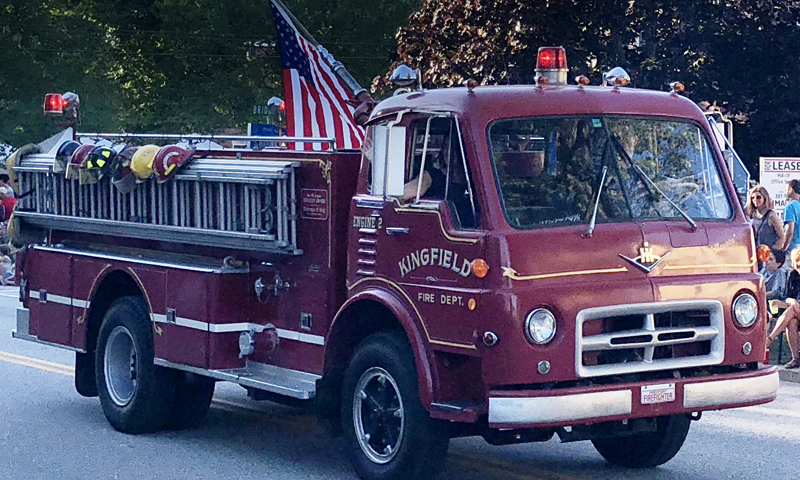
(412, 326)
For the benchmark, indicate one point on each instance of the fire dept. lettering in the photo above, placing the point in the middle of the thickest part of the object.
(435, 257)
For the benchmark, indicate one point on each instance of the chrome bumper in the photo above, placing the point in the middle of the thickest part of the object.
(583, 407)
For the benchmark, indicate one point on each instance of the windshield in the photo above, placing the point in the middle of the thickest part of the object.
(549, 170)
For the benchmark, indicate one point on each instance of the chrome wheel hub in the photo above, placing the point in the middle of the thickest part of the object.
(120, 366)
(378, 415)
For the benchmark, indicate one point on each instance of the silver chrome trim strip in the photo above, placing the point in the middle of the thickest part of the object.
(35, 339)
(561, 408)
(60, 299)
(152, 263)
(238, 327)
(727, 392)
(284, 381)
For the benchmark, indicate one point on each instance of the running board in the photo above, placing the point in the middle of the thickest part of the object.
(283, 381)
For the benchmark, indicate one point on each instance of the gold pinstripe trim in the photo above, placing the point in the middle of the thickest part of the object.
(441, 224)
(421, 321)
(509, 272)
(82, 318)
(156, 328)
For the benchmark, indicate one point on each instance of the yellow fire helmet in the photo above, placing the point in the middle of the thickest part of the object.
(142, 161)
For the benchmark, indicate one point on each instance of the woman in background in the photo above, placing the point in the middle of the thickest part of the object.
(766, 223)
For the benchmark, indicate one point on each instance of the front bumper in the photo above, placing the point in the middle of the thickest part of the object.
(544, 408)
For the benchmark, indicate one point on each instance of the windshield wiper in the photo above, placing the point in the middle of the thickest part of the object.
(675, 205)
(597, 202)
(636, 168)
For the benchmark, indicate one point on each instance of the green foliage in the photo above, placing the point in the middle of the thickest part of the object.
(739, 54)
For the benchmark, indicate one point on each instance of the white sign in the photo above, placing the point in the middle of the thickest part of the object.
(774, 175)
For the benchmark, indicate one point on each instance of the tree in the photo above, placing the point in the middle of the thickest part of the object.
(169, 65)
(738, 54)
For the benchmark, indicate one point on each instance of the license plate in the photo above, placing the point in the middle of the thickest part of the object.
(658, 393)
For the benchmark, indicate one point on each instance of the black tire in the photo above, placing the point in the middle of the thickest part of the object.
(136, 395)
(383, 368)
(193, 395)
(647, 450)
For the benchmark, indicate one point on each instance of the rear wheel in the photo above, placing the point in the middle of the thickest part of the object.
(389, 433)
(136, 395)
(646, 450)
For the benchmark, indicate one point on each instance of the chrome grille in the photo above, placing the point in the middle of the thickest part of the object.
(649, 336)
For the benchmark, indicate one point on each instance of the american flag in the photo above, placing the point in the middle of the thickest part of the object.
(315, 97)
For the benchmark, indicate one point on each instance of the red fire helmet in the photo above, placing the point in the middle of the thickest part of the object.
(78, 157)
(169, 159)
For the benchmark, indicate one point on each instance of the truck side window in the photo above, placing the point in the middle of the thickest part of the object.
(445, 173)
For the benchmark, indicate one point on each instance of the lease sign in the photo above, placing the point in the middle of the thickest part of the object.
(774, 174)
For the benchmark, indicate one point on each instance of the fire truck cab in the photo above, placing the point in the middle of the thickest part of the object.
(515, 262)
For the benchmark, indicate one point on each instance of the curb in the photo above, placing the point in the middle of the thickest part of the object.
(792, 375)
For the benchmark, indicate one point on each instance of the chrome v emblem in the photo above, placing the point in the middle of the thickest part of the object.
(647, 260)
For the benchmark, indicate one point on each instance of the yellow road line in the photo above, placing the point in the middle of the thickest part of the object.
(36, 363)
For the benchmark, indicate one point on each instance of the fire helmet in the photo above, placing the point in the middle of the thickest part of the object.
(64, 155)
(78, 157)
(100, 158)
(122, 176)
(168, 161)
(142, 161)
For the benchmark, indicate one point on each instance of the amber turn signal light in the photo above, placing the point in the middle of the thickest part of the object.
(480, 268)
(762, 254)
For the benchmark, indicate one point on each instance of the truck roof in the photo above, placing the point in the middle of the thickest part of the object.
(488, 103)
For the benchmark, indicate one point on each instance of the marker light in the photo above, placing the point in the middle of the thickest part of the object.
(762, 253)
(582, 80)
(676, 87)
(480, 268)
(54, 104)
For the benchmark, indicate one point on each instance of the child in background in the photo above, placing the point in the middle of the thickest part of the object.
(7, 264)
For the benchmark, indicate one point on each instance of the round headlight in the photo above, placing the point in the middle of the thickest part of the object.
(745, 310)
(540, 326)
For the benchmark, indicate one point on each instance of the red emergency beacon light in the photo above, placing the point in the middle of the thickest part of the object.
(54, 104)
(551, 64)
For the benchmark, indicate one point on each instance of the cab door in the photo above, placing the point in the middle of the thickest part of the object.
(431, 232)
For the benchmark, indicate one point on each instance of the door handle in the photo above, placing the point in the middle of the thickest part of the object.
(397, 231)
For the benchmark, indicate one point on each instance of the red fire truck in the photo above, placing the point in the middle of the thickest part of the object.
(515, 262)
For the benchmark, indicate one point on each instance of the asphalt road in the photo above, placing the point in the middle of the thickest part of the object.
(49, 432)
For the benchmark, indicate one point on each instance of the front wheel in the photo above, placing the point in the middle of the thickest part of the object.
(136, 395)
(647, 450)
(389, 433)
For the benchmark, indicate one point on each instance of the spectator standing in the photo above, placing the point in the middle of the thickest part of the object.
(791, 216)
(766, 223)
(8, 201)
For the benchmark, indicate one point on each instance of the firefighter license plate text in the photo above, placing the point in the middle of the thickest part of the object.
(658, 393)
